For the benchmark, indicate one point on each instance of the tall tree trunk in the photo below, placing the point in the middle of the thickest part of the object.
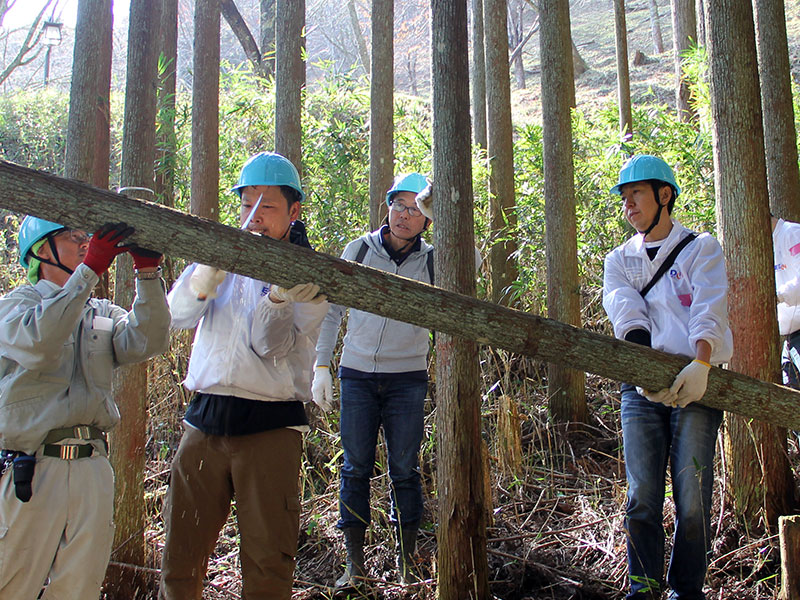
(623, 75)
(684, 32)
(515, 37)
(780, 140)
(130, 382)
(381, 129)
(462, 564)
(205, 110)
(655, 27)
(565, 386)
(88, 128)
(478, 71)
(756, 453)
(355, 25)
(702, 30)
(502, 211)
(166, 140)
(290, 79)
(267, 22)
(166, 136)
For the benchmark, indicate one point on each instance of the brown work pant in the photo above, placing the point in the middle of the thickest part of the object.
(261, 472)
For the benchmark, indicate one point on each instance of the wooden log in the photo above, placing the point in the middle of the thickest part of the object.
(81, 206)
(789, 532)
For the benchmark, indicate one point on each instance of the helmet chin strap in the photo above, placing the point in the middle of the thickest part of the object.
(656, 220)
(57, 263)
(408, 242)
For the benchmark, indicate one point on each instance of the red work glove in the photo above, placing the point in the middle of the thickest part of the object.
(144, 258)
(103, 247)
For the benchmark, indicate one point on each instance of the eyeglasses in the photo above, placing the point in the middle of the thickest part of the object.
(413, 211)
(76, 236)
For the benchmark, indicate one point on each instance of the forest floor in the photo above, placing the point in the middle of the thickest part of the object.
(556, 517)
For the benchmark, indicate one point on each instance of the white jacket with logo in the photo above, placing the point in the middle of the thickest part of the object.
(689, 303)
(58, 348)
(786, 244)
(375, 344)
(245, 344)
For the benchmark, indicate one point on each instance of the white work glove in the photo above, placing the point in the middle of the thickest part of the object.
(781, 293)
(303, 292)
(322, 388)
(205, 280)
(665, 396)
(691, 382)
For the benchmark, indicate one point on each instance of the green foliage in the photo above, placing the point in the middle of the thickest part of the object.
(33, 129)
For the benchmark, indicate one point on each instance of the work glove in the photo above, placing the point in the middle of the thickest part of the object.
(144, 258)
(322, 388)
(302, 292)
(104, 246)
(665, 396)
(691, 382)
(205, 280)
(424, 200)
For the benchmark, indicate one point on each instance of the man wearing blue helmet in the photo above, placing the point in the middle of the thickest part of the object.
(384, 380)
(666, 287)
(250, 371)
(58, 348)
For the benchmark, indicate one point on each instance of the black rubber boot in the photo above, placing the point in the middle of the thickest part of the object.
(354, 569)
(406, 547)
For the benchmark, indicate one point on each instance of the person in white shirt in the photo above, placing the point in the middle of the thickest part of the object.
(250, 369)
(684, 311)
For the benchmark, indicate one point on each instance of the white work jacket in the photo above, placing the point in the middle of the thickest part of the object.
(688, 304)
(786, 244)
(245, 344)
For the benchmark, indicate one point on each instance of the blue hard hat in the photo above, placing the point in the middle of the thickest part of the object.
(31, 231)
(269, 168)
(643, 167)
(413, 182)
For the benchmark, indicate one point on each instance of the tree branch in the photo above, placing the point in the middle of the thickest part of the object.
(241, 31)
(167, 230)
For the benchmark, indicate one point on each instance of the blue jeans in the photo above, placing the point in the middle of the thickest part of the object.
(366, 404)
(686, 437)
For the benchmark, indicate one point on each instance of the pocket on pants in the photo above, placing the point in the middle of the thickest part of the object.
(287, 539)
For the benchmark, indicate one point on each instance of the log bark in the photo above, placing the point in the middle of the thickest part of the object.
(168, 230)
(789, 531)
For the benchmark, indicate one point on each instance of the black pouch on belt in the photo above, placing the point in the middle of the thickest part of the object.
(24, 466)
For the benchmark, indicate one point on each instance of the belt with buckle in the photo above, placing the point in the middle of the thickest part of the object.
(79, 432)
(68, 451)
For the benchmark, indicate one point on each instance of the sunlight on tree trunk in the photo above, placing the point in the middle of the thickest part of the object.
(381, 90)
(502, 209)
(462, 562)
(478, 71)
(290, 79)
(684, 33)
(355, 25)
(205, 111)
(655, 27)
(780, 139)
(130, 382)
(623, 74)
(756, 458)
(565, 386)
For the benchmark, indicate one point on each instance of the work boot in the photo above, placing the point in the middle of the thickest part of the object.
(354, 569)
(406, 547)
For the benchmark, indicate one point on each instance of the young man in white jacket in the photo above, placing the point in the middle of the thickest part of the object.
(384, 381)
(58, 348)
(250, 370)
(682, 312)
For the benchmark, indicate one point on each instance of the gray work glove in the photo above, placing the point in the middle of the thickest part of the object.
(303, 292)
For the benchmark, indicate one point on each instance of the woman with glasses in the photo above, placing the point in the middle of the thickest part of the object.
(384, 381)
